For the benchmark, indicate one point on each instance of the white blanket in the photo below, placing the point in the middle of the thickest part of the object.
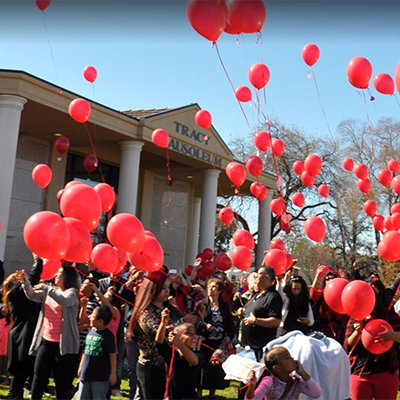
(238, 368)
(323, 358)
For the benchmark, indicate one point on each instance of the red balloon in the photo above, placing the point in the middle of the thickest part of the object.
(298, 167)
(90, 73)
(262, 140)
(277, 147)
(208, 268)
(333, 294)
(122, 259)
(289, 260)
(241, 257)
(310, 54)
(395, 208)
(396, 184)
(50, 268)
(277, 244)
(258, 75)
(59, 194)
(323, 190)
(313, 164)
(384, 83)
(146, 232)
(230, 30)
(361, 171)
(47, 235)
(276, 259)
(255, 189)
(307, 179)
(222, 261)
(126, 232)
(243, 237)
(247, 16)
(203, 119)
(371, 332)
(298, 199)
(254, 165)
(277, 206)
(61, 144)
(207, 18)
(42, 175)
(397, 76)
(377, 222)
(315, 229)
(72, 183)
(207, 254)
(243, 94)
(393, 165)
(188, 270)
(284, 222)
(160, 138)
(83, 203)
(348, 164)
(370, 207)
(364, 185)
(263, 193)
(106, 194)
(90, 163)
(150, 258)
(387, 224)
(42, 4)
(359, 72)
(105, 258)
(384, 177)
(79, 110)
(226, 215)
(236, 173)
(358, 299)
(80, 241)
(395, 220)
(202, 274)
(388, 247)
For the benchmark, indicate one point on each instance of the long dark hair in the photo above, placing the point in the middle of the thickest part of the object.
(299, 304)
(148, 291)
(70, 277)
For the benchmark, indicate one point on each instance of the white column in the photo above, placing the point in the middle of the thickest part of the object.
(264, 228)
(10, 118)
(194, 245)
(129, 176)
(208, 208)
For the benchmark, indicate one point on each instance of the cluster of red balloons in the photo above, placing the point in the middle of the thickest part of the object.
(212, 17)
(277, 258)
(259, 191)
(209, 262)
(308, 170)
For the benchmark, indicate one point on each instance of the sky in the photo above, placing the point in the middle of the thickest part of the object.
(147, 55)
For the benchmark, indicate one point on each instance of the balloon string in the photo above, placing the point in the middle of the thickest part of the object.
(369, 129)
(397, 100)
(169, 373)
(134, 305)
(320, 101)
(169, 181)
(94, 118)
(230, 81)
(94, 151)
(51, 52)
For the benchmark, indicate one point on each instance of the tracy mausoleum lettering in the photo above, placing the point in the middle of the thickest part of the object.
(198, 136)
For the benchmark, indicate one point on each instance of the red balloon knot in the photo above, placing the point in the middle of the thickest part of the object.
(206, 137)
(372, 98)
(309, 75)
(60, 91)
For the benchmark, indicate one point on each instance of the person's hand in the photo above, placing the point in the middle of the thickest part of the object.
(209, 327)
(113, 378)
(319, 269)
(94, 287)
(299, 369)
(303, 320)
(172, 301)
(357, 327)
(83, 301)
(40, 286)
(355, 265)
(251, 320)
(384, 337)
(165, 316)
(197, 263)
(172, 337)
(240, 312)
(22, 276)
(252, 379)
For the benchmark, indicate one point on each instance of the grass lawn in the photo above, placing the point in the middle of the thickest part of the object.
(229, 393)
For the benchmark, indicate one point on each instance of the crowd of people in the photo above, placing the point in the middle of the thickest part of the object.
(172, 332)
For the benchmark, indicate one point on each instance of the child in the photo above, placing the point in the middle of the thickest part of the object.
(98, 364)
(282, 385)
(186, 362)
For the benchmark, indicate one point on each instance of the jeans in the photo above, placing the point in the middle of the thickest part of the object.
(93, 390)
(64, 370)
(132, 352)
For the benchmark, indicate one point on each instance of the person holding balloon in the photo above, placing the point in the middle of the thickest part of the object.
(56, 338)
(374, 361)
